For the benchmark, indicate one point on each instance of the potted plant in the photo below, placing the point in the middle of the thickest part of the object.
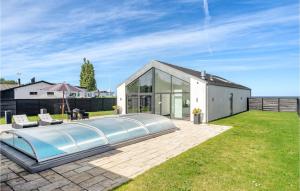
(197, 115)
(117, 109)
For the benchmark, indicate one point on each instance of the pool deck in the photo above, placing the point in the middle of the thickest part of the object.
(108, 170)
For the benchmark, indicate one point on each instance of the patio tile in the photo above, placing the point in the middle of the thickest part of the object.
(5, 187)
(8, 176)
(90, 182)
(78, 178)
(108, 170)
(31, 185)
(96, 171)
(31, 177)
(71, 187)
(54, 185)
(5, 171)
(47, 172)
(66, 167)
(111, 175)
(69, 174)
(54, 177)
(96, 187)
(15, 182)
(84, 168)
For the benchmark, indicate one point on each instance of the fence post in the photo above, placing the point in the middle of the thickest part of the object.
(262, 103)
(247, 104)
(298, 106)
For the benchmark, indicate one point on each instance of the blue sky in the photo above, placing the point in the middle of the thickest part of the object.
(252, 42)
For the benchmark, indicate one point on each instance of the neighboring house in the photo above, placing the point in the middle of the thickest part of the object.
(7, 86)
(96, 93)
(31, 90)
(87, 94)
(35, 90)
(105, 93)
(174, 91)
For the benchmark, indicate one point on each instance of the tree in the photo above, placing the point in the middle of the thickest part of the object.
(3, 81)
(87, 75)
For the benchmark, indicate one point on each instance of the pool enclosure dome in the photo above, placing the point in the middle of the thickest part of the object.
(44, 147)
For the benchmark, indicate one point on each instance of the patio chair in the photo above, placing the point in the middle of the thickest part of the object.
(21, 121)
(71, 115)
(46, 119)
(83, 114)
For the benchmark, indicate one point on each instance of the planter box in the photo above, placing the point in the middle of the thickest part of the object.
(197, 119)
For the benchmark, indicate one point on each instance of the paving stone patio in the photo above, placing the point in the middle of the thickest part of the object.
(108, 170)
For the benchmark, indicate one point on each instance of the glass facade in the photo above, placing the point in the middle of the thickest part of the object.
(132, 103)
(145, 82)
(140, 94)
(180, 86)
(161, 93)
(162, 82)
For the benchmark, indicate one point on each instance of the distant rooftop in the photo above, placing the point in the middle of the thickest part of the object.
(7, 86)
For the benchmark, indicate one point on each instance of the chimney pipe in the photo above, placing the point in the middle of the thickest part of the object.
(19, 81)
(33, 80)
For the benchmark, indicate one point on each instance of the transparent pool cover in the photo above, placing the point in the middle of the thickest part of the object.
(48, 142)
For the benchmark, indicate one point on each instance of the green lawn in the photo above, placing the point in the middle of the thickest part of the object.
(260, 152)
(59, 116)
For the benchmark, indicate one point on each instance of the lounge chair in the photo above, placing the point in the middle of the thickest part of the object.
(46, 119)
(21, 121)
(71, 115)
(83, 114)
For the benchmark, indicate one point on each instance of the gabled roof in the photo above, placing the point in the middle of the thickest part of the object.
(209, 78)
(42, 81)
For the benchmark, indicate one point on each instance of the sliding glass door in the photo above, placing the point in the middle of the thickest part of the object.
(146, 103)
(163, 104)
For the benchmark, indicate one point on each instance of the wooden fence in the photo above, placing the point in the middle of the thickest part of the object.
(280, 104)
(53, 106)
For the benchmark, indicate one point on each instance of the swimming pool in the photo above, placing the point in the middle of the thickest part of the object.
(44, 147)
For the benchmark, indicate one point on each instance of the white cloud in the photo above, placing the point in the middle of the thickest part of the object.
(19, 50)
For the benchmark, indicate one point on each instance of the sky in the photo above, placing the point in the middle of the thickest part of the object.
(251, 42)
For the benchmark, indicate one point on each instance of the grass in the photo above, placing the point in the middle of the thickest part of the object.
(260, 152)
(60, 116)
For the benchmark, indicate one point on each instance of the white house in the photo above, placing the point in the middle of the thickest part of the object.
(35, 90)
(174, 91)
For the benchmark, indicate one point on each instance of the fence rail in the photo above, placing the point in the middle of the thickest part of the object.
(280, 104)
(53, 106)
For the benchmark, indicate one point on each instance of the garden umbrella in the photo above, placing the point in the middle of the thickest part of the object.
(64, 87)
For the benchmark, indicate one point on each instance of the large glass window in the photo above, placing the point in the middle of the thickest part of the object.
(132, 104)
(179, 85)
(133, 87)
(146, 82)
(139, 94)
(162, 81)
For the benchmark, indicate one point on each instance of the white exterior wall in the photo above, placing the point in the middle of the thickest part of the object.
(121, 97)
(219, 101)
(23, 92)
(198, 98)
